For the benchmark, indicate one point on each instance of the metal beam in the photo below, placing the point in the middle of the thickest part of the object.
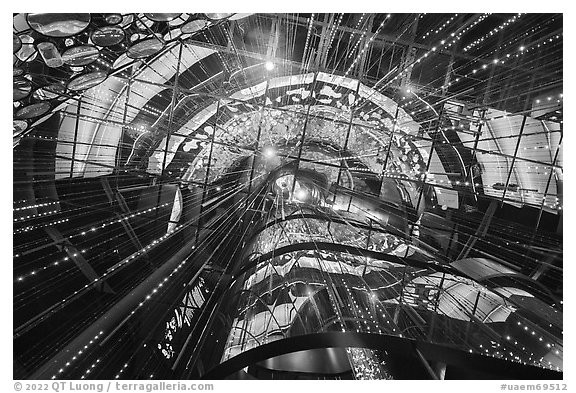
(481, 231)
(115, 315)
(389, 39)
(64, 244)
(124, 207)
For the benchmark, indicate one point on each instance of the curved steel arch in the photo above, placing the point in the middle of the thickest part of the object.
(402, 346)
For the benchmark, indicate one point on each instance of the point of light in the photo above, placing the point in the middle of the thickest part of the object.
(269, 152)
(269, 66)
(301, 194)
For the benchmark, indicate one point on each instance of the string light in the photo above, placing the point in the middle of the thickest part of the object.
(409, 173)
(76, 356)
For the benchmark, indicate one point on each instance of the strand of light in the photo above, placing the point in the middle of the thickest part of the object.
(34, 206)
(29, 217)
(492, 32)
(76, 356)
(358, 57)
(309, 33)
(438, 30)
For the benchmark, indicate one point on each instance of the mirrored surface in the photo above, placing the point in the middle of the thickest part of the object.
(113, 19)
(16, 43)
(194, 26)
(172, 34)
(180, 20)
(81, 55)
(49, 92)
(33, 110)
(58, 25)
(50, 54)
(87, 81)
(145, 48)
(127, 20)
(18, 126)
(218, 16)
(162, 17)
(108, 36)
(27, 52)
(22, 87)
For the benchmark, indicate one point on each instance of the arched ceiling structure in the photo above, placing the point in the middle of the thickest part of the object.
(173, 77)
(422, 125)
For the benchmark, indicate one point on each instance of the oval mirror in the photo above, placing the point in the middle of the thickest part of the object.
(81, 55)
(86, 81)
(33, 110)
(218, 16)
(145, 48)
(162, 17)
(239, 16)
(18, 126)
(107, 36)
(58, 25)
(17, 71)
(22, 87)
(113, 19)
(16, 42)
(49, 92)
(194, 26)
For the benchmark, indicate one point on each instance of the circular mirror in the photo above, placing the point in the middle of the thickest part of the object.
(49, 92)
(81, 55)
(17, 43)
(162, 17)
(216, 16)
(86, 81)
(58, 25)
(194, 26)
(107, 36)
(22, 87)
(33, 110)
(113, 19)
(145, 48)
(18, 126)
